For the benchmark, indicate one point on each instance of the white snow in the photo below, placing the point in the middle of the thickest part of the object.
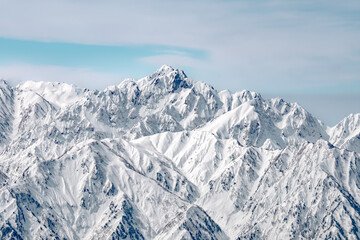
(164, 157)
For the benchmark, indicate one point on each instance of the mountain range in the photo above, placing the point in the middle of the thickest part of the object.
(164, 157)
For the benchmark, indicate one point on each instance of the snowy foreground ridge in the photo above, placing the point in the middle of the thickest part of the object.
(164, 157)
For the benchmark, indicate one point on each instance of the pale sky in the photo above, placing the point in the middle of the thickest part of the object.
(303, 51)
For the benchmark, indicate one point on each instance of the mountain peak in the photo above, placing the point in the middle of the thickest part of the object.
(3, 83)
(165, 68)
(354, 116)
(59, 94)
(353, 119)
(351, 122)
(166, 78)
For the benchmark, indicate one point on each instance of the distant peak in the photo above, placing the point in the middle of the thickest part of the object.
(41, 85)
(58, 94)
(2, 81)
(4, 84)
(167, 78)
(165, 68)
(353, 117)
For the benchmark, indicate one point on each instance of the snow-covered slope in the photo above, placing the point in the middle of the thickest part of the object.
(164, 157)
(6, 111)
(346, 134)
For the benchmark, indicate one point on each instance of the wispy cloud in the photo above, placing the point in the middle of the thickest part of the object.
(174, 60)
(267, 46)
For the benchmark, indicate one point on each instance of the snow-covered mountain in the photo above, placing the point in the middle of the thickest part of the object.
(164, 157)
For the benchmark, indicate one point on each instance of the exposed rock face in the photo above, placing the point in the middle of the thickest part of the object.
(164, 157)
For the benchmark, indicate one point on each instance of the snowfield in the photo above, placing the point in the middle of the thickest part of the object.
(164, 157)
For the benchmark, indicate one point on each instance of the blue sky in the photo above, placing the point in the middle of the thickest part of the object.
(120, 60)
(304, 51)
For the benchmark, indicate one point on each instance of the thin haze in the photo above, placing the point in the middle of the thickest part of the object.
(299, 50)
